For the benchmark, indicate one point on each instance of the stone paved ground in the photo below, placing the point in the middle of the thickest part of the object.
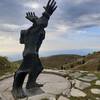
(58, 85)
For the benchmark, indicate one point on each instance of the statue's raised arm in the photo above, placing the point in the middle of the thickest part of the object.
(43, 20)
(50, 7)
(31, 17)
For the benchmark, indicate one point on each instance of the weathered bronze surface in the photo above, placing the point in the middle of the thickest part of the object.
(32, 39)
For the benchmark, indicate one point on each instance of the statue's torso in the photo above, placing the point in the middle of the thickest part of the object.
(32, 40)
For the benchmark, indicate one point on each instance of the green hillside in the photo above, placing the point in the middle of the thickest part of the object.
(91, 62)
(57, 61)
(6, 66)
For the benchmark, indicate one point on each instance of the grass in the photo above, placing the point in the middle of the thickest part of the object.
(97, 74)
(45, 99)
(88, 90)
(10, 69)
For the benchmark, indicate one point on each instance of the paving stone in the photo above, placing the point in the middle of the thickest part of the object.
(88, 78)
(97, 82)
(75, 74)
(53, 84)
(55, 88)
(0, 97)
(42, 96)
(4, 84)
(63, 98)
(77, 93)
(90, 74)
(95, 91)
(81, 85)
(50, 78)
(83, 71)
(58, 72)
(67, 92)
(7, 75)
(97, 98)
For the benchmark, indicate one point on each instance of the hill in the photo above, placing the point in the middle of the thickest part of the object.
(6, 66)
(91, 62)
(57, 61)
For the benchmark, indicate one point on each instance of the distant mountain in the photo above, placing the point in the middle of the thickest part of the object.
(57, 61)
(17, 56)
(90, 62)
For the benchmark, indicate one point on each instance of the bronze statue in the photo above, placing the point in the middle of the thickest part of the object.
(32, 39)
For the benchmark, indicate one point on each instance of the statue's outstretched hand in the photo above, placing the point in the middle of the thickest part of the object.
(50, 7)
(31, 17)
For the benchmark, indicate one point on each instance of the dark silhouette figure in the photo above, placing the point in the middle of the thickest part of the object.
(32, 39)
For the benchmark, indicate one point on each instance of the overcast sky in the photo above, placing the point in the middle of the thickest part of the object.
(74, 25)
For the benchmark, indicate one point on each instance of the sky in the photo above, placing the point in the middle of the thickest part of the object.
(74, 25)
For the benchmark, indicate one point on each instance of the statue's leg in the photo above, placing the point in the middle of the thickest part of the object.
(17, 89)
(34, 73)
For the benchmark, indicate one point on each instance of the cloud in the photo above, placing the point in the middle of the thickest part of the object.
(66, 27)
(30, 5)
(82, 14)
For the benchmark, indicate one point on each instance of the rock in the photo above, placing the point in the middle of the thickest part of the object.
(75, 74)
(0, 97)
(81, 85)
(42, 97)
(6, 83)
(83, 72)
(52, 98)
(95, 91)
(53, 84)
(67, 92)
(50, 78)
(7, 75)
(57, 72)
(55, 88)
(97, 82)
(63, 98)
(93, 75)
(88, 78)
(77, 93)
(97, 98)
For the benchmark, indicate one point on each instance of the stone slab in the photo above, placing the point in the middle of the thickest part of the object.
(63, 98)
(88, 78)
(81, 85)
(53, 84)
(97, 82)
(77, 93)
(95, 91)
(75, 74)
